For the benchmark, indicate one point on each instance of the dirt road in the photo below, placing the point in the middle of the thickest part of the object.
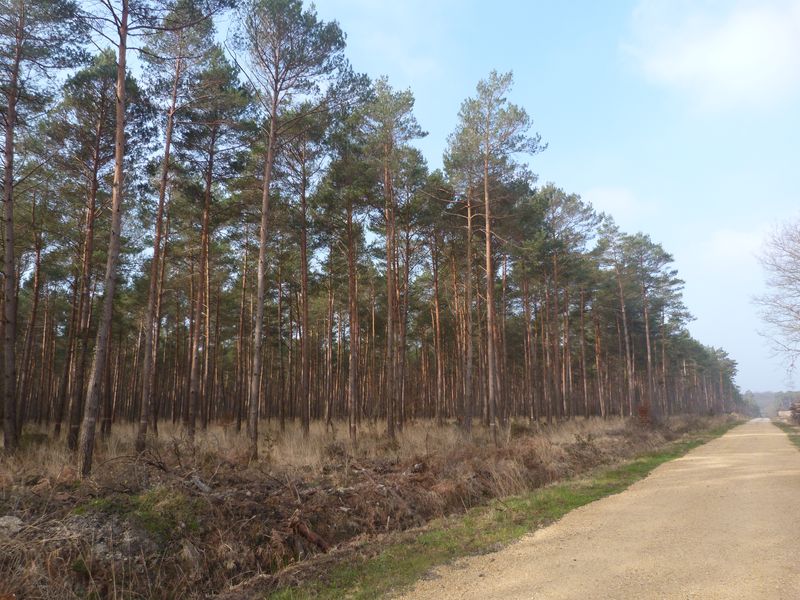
(721, 522)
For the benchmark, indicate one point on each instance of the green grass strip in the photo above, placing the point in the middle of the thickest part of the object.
(482, 529)
(790, 430)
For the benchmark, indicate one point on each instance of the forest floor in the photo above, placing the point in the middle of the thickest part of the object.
(721, 522)
(183, 521)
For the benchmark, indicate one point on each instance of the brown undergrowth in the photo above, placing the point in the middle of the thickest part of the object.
(191, 521)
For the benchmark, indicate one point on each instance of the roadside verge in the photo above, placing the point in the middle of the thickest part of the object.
(375, 567)
(791, 431)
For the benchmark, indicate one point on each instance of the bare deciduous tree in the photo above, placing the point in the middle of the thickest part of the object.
(780, 304)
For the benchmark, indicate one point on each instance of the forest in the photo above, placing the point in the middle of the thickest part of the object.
(210, 218)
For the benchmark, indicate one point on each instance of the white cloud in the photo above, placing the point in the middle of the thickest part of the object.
(720, 54)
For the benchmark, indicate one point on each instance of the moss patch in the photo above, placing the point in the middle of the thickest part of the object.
(161, 511)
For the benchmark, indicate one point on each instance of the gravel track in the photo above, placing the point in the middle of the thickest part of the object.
(721, 522)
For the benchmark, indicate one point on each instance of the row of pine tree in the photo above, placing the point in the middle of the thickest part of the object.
(241, 228)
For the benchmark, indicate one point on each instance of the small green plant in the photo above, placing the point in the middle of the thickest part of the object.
(160, 511)
(163, 510)
(115, 504)
(80, 567)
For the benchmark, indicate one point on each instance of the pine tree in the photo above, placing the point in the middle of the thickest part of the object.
(496, 131)
(36, 38)
(290, 52)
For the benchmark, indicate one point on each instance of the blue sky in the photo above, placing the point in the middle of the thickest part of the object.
(677, 117)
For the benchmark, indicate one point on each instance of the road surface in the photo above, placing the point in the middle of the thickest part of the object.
(721, 522)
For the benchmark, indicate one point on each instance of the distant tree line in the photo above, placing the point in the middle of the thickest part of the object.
(248, 232)
(769, 403)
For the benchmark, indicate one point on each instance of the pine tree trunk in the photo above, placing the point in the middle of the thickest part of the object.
(200, 311)
(353, 402)
(10, 439)
(582, 339)
(241, 368)
(555, 341)
(390, 388)
(597, 366)
(109, 283)
(86, 296)
(63, 394)
(468, 354)
(156, 394)
(258, 328)
(148, 367)
(261, 293)
(27, 368)
(648, 345)
(490, 326)
(628, 356)
(437, 332)
(305, 393)
(529, 393)
(402, 319)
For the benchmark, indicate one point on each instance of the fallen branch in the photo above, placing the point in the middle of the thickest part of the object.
(302, 529)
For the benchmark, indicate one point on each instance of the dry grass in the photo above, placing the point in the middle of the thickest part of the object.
(202, 516)
(288, 450)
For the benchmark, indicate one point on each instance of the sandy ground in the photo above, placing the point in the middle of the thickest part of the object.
(721, 522)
